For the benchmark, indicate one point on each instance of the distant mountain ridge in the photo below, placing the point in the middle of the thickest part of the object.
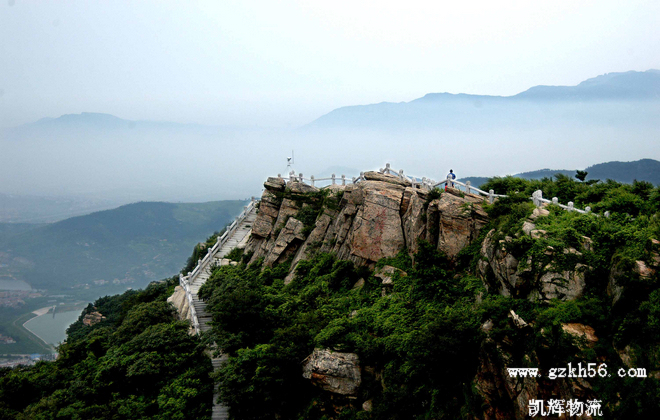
(101, 120)
(626, 172)
(473, 110)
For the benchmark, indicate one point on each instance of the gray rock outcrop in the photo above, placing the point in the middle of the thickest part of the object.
(334, 372)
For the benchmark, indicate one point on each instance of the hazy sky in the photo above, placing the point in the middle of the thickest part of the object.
(284, 63)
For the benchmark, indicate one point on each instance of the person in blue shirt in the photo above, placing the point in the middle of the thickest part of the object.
(450, 175)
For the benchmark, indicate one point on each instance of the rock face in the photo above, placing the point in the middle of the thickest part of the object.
(581, 332)
(506, 396)
(377, 230)
(291, 232)
(335, 372)
(387, 272)
(620, 273)
(539, 279)
(460, 217)
(361, 222)
(93, 318)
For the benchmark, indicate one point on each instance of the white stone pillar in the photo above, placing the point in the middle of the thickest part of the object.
(570, 206)
(343, 180)
(311, 178)
(333, 179)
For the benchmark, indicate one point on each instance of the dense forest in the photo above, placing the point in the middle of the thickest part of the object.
(138, 362)
(423, 344)
(424, 341)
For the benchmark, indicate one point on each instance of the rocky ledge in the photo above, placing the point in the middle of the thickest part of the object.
(363, 223)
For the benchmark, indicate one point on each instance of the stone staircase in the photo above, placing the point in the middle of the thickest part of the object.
(237, 238)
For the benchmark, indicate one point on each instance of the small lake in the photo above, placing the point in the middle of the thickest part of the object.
(52, 330)
(14, 285)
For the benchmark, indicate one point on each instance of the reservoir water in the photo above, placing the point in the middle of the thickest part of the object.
(52, 330)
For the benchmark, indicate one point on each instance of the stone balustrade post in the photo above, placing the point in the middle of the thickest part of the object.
(387, 168)
(333, 179)
(362, 175)
(300, 177)
(467, 187)
(343, 179)
(555, 201)
(570, 206)
(311, 178)
(491, 196)
(587, 209)
(401, 173)
(607, 214)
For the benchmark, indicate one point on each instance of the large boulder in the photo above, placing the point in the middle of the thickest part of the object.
(300, 188)
(391, 179)
(180, 302)
(274, 184)
(335, 372)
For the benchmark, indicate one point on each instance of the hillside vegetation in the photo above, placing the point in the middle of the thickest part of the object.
(432, 344)
(133, 244)
(137, 363)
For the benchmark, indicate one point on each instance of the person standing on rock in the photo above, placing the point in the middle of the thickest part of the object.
(451, 175)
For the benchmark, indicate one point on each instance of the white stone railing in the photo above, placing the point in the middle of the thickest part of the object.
(334, 179)
(183, 282)
(429, 184)
(203, 263)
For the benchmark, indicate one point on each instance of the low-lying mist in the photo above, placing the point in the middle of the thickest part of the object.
(119, 161)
